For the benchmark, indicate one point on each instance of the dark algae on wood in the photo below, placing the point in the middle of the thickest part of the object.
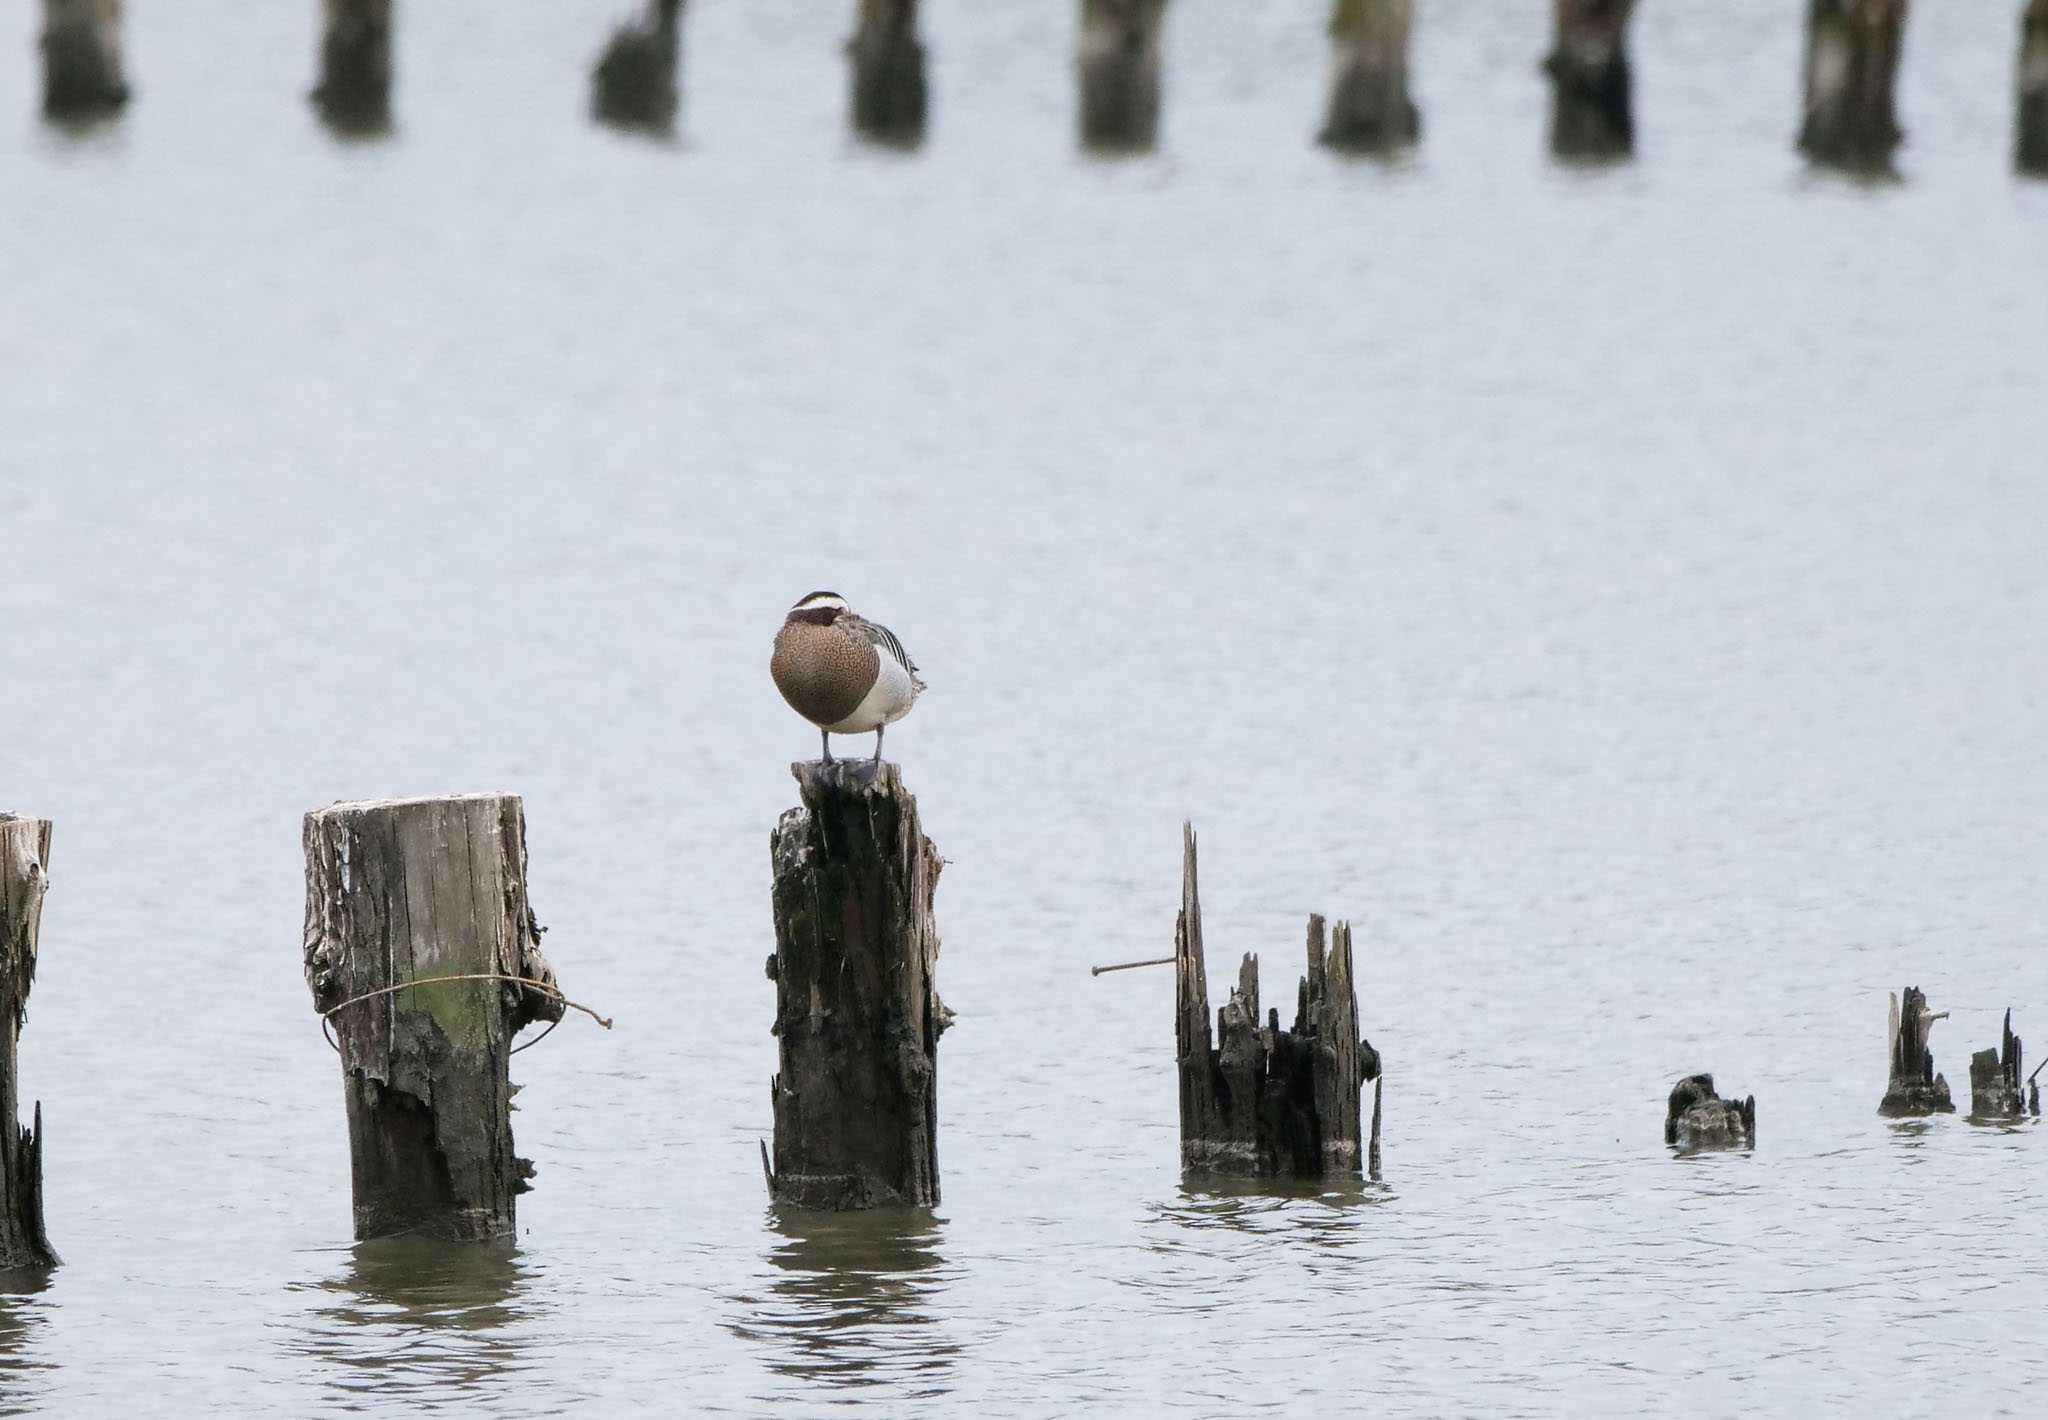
(1695, 1117)
(1592, 110)
(1998, 1089)
(857, 1015)
(24, 880)
(1256, 1099)
(1914, 1088)
(400, 890)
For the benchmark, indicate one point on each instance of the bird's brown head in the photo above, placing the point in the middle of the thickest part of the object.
(819, 608)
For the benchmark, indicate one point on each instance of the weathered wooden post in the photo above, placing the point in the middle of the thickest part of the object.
(423, 890)
(1370, 110)
(24, 879)
(857, 1017)
(1996, 1088)
(1591, 106)
(1119, 65)
(1852, 65)
(1697, 1118)
(82, 58)
(2031, 150)
(1914, 1087)
(634, 82)
(354, 95)
(1267, 1101)
(888, 73)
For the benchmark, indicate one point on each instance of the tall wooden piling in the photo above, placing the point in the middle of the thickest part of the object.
(1256, 1099)
(82, 75)
(1119, 73)
(1370, 110)
(354, 93)
(888, 73)
(1853, 48)
(857, 1016)
(404, 890)
(634, 82)
(1914, 1087)
(1997, 1088)
(1592, 113)
(2031, 147)
(24, 879)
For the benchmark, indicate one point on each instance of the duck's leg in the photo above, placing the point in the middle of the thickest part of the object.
(825, 739)
(878, 745)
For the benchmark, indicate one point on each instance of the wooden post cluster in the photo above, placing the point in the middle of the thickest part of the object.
(634, 82)
(403, 890)
(888, 102)
(1914, 1088)
(857, 1016)
(24, 879)
(1119, 69)
(354, 94)
(1265, 1101)
(1997, 1088)
(1370, 110)
(1591, 107)
(2031, 146)
(1852, 65)
(1697, 1118)
(82, 75)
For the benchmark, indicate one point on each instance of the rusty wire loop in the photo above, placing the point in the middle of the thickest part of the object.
(541, 986)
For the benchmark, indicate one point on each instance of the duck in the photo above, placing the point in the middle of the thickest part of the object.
(845, 674)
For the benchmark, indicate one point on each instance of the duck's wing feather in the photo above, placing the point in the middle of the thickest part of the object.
(885, 641)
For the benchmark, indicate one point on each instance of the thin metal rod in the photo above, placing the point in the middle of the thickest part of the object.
(1127, 965)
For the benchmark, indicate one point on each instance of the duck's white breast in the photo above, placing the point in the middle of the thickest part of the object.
(886, 702)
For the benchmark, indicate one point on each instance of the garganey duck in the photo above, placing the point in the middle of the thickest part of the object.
(842, 672)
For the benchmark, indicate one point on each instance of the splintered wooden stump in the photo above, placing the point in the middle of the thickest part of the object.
(2031, 149)
(1255, 1099)
(888, 73)
(1697, 1118)
(1119, 66)
(1591, 106)
(82, 58)
(1997, 1088)
(1914, 1087)
(397, 891)
(354, 95)
(857, 1017)
(1852, 67)
(1370, 110)
(634, 83)
(24, 850)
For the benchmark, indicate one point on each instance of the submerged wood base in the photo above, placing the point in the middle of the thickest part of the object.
(857, 1015)
(398, 891)
(24, 879)
(1266, 1101)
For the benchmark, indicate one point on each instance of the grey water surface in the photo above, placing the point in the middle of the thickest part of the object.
(1619, 591)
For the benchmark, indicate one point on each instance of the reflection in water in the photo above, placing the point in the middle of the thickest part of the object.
(1319, 1210)
(420, 1316)
(21, 1317)
(852, 1300)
